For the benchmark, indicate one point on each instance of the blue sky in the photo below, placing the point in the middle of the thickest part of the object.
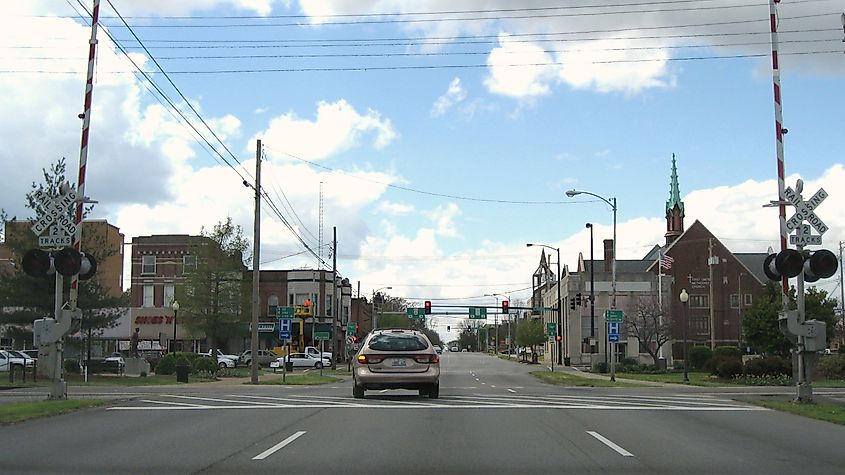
(599, 113)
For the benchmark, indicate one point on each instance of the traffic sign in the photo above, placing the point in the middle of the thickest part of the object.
(551, 329)
(804, 237)
(416, 313)
(55, 211)
(478, 313)
(613, 337)
(804, 210)
(614, 315)
(266, 327)
(285, 312)
(613, 331)
(351, 328)
(322, 336)
(284, 328)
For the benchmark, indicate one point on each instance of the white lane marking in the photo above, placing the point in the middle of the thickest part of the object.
(212, 399)
(492, 386)
(293, 398)
(610, 444)
(384, 390)
(477, 379)
(170, 403)
(483, 383)
(279, 446)
(511, 390)
(444, 406)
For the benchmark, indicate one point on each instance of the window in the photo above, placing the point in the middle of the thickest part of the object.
(400, 342)
(699, 301)
(272, 305)
(734, 300)
(329, 302)
(148, 264)
(148, 296)
(747, 299)
(189, 263)
(169, 295)
(345, 315)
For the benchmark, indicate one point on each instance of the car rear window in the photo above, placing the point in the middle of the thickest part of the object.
(397, 342)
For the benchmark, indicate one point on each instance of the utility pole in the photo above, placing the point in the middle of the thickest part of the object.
(710, 263)
(841, 288)
(256, 239)
(336, 316)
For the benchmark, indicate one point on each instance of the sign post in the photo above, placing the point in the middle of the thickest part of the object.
(614, 318)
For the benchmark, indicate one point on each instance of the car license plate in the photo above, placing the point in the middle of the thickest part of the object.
(400, 363)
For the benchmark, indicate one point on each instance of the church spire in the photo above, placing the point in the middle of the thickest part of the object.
(674, 208)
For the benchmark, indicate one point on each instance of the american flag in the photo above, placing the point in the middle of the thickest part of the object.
(666, 261)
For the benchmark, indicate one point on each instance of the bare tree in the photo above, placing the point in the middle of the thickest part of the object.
(650, 324)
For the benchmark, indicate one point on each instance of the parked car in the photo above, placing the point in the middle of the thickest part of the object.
(265, 357)
(31, 353)
(302, 360)
(30, 361)
(454, 349)
(7, 361)
(224, 362)
(220, 354)
(397, 359)
(117, 359)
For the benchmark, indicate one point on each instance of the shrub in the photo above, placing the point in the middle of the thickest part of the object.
(72, 366)
(751, 380)
(698, 356)
(732, 351)
(601, 367)
(831, 366)
(143, 374)
(726, 367)
(166, 365)
(204, 365)
(182, 360)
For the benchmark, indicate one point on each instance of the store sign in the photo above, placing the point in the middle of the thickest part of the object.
(153, 320)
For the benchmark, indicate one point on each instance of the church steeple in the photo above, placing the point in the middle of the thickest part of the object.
(674, 207)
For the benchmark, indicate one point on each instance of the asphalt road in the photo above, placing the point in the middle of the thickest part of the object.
(492, 417)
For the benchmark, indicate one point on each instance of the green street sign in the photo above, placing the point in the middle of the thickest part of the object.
(415, 313)
(478, 313)
(614, 316)
(551, 329)
(284, 312)
(321, 336)
(351, 328)
(542, 309)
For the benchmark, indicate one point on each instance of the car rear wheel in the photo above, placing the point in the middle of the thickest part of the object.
(357, 391)
(434, 391)
(318, 365)
(222, 365)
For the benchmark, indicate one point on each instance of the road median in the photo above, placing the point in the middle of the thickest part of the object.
(22, 411)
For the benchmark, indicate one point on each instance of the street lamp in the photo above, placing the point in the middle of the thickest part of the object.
(684, 299)
(559, 304)
(375, 317)
(592, 291)
(612, 203)
(496, 347)
(175, 306)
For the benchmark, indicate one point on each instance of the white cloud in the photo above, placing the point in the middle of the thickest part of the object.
(511, 70)
(337, 127)
(396, 209)
(444, 219)
(454, 94)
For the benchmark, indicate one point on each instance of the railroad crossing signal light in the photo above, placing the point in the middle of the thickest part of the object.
(505, 306)
(427, 309)
(789, 263)
(67, 262)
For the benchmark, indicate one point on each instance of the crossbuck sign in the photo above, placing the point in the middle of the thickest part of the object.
(57, 212)
(804, 210)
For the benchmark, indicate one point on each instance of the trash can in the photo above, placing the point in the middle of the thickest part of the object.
(289, 366)
(661, 364)
(182, 373)
(567, 361)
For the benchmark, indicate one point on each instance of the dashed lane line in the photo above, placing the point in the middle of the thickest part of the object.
(279, 446)
(511, 390)
(604, 440)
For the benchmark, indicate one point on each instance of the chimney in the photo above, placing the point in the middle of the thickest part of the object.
(608, 254)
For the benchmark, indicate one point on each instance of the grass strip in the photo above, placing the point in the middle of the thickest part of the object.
(152, 380)
(21, 411)
(822, 411)
(565, 379)
(697, 378)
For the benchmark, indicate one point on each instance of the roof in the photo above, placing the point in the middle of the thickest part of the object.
(753, 261)
(674, 191)
(622, 266)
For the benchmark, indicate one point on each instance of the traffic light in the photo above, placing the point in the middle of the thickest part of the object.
(789, 263)
(67, 262)
(428, 307)
(571, 304)
(577, 300)
(558, 338)
(448, 328)
(505, 306)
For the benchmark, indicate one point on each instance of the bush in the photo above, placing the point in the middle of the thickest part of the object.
(143, 374)
(72, 366)
(182, 360)
(726, 367)
(203, 365)
(732, 351)
(751, 380)
(831, 366)
(698, 357)
(601, 367)
(166, 365)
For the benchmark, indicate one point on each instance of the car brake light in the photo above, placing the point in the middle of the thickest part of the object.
(370, 359)
(427, 359)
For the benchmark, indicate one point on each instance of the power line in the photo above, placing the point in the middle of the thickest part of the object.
(422, 192)
(475, 16)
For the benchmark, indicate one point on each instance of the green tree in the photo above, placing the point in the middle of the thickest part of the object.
(530, 333)
(212, 300)
(24, 299)
(760, 322)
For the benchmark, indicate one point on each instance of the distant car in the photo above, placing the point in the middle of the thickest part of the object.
(116, 358)
(301, 360)
(31, 353)
(438, 350)
(8, 361)
(397, 359)
(220, 354)
(265, 357)
(454, 348)
(30, 361)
